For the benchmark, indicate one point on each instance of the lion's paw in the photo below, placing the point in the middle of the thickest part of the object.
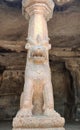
(51, 112)
(24, 113)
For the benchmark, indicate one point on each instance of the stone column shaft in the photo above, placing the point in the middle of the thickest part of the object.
(38, 27)
(38, 12)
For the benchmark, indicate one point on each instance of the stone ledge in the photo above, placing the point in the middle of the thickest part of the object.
(55, 121)
(39, 129)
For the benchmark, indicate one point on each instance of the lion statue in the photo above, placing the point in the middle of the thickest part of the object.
(37, 75)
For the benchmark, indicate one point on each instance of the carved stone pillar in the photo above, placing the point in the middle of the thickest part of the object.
(37, 72)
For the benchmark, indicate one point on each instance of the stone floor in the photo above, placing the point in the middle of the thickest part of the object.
(6, 125)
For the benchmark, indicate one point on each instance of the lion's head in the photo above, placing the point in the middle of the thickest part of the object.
(38, 53)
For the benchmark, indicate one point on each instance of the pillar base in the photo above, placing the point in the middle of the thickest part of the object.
(39, 129)
(24, 123)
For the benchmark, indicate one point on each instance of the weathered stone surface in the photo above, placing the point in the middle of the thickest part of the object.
(13, 60)
(12, 82)
(39, 129)
(39, 122)
(11, 46)
(8, 106)
(10, 88)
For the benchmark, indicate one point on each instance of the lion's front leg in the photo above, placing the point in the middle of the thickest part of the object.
(26, 99)
(48, 99)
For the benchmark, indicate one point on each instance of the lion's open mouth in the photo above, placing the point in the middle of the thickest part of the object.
(38, 55)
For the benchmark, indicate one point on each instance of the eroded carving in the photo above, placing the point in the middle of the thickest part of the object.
(37, 77)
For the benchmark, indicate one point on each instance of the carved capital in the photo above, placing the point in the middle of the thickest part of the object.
(43, 7)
